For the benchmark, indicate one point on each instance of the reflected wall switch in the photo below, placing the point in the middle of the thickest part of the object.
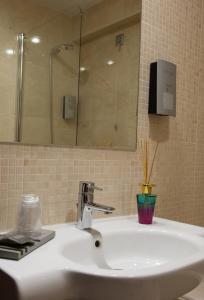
(69, 107)
(162, 88)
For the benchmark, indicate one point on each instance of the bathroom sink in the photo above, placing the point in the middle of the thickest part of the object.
(130, 251)
(118, 259)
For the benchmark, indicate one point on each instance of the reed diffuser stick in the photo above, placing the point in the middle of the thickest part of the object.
(146, 160)
(153, 160)
(144, 157)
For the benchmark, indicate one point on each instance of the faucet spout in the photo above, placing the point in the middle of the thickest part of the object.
(102, 208)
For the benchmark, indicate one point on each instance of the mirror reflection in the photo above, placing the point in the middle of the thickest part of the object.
(77, 66)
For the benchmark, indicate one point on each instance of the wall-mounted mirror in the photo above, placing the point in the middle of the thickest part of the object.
(69, 72)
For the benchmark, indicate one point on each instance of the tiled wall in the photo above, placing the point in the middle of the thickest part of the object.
(172, 30)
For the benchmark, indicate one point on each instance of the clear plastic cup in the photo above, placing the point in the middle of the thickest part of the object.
(29, 216)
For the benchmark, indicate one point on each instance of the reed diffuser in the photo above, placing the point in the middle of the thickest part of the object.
(146, 201)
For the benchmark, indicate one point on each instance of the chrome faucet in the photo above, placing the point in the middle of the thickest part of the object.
(86, 205)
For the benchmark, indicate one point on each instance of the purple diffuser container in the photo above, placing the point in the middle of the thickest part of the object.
(145, 206)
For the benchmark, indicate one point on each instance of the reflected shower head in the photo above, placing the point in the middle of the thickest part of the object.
(65, 46)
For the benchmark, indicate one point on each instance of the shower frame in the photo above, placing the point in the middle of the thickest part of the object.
(19, 86)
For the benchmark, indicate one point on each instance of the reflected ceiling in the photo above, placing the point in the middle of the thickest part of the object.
(70, 7)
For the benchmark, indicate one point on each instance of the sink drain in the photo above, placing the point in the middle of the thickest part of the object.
(97, 243)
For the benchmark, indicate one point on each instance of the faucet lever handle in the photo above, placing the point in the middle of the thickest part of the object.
(88, 187)
(98, 188)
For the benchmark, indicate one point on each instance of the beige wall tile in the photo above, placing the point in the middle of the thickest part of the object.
(171, 30)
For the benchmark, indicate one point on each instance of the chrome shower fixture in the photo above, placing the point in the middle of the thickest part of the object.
(65, 46)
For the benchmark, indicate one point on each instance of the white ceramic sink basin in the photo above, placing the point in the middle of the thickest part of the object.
(129, 251)
(120, 259)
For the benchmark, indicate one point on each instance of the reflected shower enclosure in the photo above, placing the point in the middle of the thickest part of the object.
(58, 65)
(51, 70)
(109, 79)
(55, 60)
(77, 66)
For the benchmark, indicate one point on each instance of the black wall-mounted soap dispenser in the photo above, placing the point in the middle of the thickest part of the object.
(162, 88)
